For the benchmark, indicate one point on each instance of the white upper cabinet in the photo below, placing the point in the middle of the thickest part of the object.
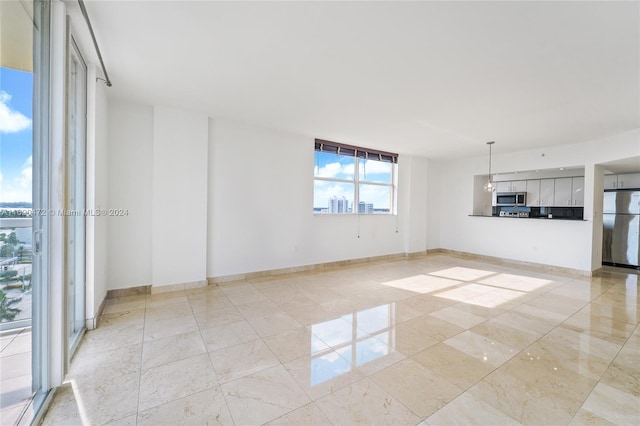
(503, 187)
(533, 193)
(511, 186)
(627, 181)
(546, 192)
(577, 191)
(562, 195)
(610, 181)
(560, 192)
(519, 186)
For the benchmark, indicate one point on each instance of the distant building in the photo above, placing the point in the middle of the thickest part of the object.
(365, 208)
(338, 205)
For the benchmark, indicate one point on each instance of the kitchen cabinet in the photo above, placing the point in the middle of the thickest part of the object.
(577, 191)
(558, 192)
(610, 181)
(624, 181)
(562, 193)
(503, 186)
(533, 193)
(519, 186)
(511, 186)
(629, 180)
(546, 192)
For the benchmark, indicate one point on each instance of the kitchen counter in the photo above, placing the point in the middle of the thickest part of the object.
(525, 218)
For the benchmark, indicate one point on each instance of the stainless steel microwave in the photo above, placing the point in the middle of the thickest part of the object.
(511, 199)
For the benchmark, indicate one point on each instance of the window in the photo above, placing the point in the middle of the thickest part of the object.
(349, 179)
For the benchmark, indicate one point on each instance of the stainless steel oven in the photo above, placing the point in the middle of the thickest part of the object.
(511, 199)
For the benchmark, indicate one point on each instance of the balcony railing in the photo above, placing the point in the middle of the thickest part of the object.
(16, 252)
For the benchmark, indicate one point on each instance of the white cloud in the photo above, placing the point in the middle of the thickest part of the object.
(14, 194)
(25, 174)
(332, 170)
(11, 121)
(19, 188)
(374, 167)
(379, 196)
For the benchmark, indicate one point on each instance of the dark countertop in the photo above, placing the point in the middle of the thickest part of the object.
(537, 218)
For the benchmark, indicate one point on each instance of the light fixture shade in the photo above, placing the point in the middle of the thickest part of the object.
(489, 186)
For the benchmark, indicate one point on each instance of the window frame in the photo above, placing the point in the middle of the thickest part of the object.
(359, 153)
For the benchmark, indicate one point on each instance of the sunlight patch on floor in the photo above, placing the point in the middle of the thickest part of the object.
(516, 282)
(462, 274)
(422, 284)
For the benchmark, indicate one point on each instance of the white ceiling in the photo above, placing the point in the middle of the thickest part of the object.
(16, 35)
(436, 79)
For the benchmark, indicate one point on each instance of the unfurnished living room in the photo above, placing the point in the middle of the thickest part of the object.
(319, 212)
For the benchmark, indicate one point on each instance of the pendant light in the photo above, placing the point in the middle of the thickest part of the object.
(489, 186)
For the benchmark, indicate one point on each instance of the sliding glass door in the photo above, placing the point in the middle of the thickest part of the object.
(75, 192)
(24, 196)
(42, 205)
(41, 333)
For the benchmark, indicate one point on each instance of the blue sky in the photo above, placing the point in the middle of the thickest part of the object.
(16, 97)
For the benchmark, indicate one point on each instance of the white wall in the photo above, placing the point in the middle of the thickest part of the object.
(413, 210)
(179, 201)
(560, 243)
(598, 200)
(260, 206)
(253, 182)
(249, 190)
(130, 155)
(434, 198)
(157, 171)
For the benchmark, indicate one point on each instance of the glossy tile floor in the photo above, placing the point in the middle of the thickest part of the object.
(15, 374)
(435, 340)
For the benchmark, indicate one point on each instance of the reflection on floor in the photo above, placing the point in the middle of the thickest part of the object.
(15, 374)
(432, 340)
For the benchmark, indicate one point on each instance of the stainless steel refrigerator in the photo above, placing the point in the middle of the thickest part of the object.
(621, 236)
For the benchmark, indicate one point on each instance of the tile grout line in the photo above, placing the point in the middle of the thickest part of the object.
(507, 361)
(555, 327)
(218, 384)
(598, 380)
(605, 372)
(144, 325)
(280, 363)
